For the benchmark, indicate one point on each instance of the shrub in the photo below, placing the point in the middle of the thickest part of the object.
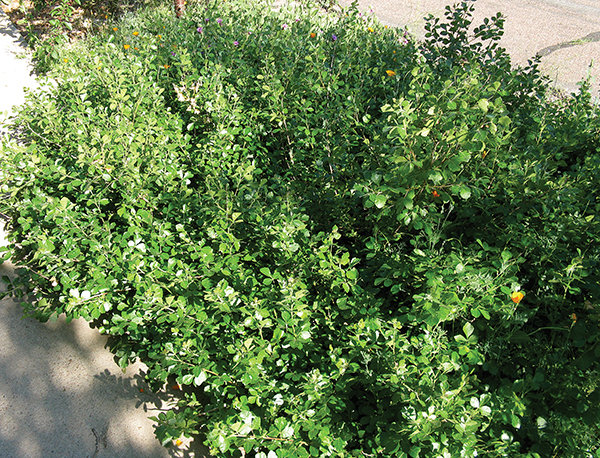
(339, 241)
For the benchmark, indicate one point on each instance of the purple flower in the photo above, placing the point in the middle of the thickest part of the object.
(333, 37)
(173, 54)
(249, 33)
(219, 21)
(284, 26)
(236, 43)
(199, 29)
(206, 19)
(297, 19)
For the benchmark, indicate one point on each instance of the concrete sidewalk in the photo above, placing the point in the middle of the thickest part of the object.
(15, 67)
(61, 393)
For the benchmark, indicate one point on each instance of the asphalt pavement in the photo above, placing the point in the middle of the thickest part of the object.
(565, 33)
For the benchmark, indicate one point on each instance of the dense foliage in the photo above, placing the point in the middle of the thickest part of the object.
(339, 241)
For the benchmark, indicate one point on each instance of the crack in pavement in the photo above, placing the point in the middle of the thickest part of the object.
(100, 439)
(589, 38)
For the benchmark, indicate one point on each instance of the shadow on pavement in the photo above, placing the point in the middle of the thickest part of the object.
(62, 395)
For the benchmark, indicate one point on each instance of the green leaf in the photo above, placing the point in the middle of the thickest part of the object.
(465, 192)
(379, 200)
(265, 271)
(435, 176)
(407, 202)
(483, 104)
(472, 426)
(504, 121)
(64, 203)
(200, 379)
(352, 274)
(468, 329)
(542, 423)
(454, 164)
(515, 421)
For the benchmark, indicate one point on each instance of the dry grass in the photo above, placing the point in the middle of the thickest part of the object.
(33, 17)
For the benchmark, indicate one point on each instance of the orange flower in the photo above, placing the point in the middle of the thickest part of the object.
(313, 34)
(175, 387)
(141, 390)
(159, 37)
(115, 29)
(435, 194)
(574, 317)
(135, 34)
(390, 73)
(517, 296)
(166, 66)
(126, 46)
(137, 49)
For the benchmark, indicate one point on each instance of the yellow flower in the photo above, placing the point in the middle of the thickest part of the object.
(390, 73)
(370, 29)
(126, 46)
(66, 60)
(178, 442)
(135, 34)
(160, 37)
(517, 296)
